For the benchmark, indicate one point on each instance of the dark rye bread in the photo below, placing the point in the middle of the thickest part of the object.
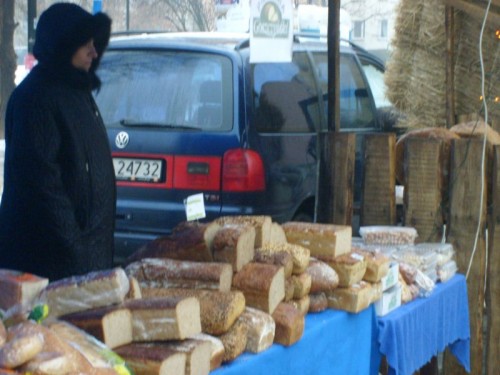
(234, 244)
(261, 223)
(262, 284)
(110, 324)
(170, 273)
(289, 324)
(278, 258)
(188, 241)
(218, 310)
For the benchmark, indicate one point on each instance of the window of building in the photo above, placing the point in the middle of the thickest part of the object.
(383, 28)
(358, 31)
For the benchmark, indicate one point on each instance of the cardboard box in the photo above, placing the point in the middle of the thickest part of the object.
(390, 300)
(391, 278)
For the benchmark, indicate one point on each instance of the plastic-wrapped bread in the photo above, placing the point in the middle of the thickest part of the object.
(96, 352)
(262, 284)
(19, 288)
(290, 324)
(350, 268)
(165, 318)
(47, 363)
(78, 293)
(21, 348)
(217, 349)
(170, 273)
(261, 328)
(325, 241)
(151, 359)
(323, 277)
(234, 244)
(261, 223)
(234, 341)
(354, 299)
(388, 235)
(218, 310)
(300, 255)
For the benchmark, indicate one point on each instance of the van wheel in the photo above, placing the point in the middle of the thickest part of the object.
(304, 217)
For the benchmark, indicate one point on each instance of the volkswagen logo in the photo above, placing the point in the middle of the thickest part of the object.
(121, 140)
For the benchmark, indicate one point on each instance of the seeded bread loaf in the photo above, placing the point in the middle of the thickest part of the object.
(234, 341)
(300, 255)
(234, 244)
(262, 225)
(279, 258)
(170, 273)
(301, 285)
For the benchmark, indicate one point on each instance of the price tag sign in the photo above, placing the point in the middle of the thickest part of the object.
(195, 207)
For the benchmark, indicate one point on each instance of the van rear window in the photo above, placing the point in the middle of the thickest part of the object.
(170, 89)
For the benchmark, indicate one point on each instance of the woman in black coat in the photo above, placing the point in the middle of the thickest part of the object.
(58, 206)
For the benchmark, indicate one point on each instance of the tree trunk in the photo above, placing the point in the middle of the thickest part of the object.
(7, 58)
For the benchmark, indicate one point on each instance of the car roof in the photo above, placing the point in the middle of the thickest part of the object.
(215, 40)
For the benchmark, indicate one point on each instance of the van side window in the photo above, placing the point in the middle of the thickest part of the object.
(356, 111)
(285, 97)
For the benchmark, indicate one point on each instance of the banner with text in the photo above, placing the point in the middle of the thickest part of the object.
(271, 31)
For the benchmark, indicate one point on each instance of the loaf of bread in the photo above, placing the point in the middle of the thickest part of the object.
(3, 333)
(189, 240)
(234, 244)
(110, 324)
(261, 328)
(377, 265)
(323, 277)
(47, 363)
(262, 284)
(20, 349)
(350, 268)
(218, 310)
(278, 258)
(354, 299)
(301, 304)
(317, 302)
(325, 241)
(165, 318)
(289, 324)
(78, 293)
(152, 359)
(262, 225)
(301, 285)
(19, 288)
(97, 353)
(289, 289)
(234, 341)
(171, 273)
(300, 255)
(217, 349)
(134, 291)
(198, 353)
(277, 234)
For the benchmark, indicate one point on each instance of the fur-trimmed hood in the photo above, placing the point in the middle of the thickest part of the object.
(62, 29)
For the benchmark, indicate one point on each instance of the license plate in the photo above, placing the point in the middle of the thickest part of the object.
(140, 170)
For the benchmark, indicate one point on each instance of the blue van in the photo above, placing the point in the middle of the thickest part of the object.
(187, 113)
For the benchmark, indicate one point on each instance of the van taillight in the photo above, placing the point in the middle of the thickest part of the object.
(242, 170)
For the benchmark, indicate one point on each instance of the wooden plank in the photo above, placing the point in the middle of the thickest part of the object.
(343, 160)
(465, 197)
(423, 191)
(493, 272)
(450, 66)
(477, 10)
(378, 205)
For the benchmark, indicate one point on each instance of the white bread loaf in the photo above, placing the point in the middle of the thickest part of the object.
(234, 244)
(377, 265)
(262, 284)
(325, 241)
(19, 288)
(198, 354)
(78, 293)
(170, 273)
(261, 328)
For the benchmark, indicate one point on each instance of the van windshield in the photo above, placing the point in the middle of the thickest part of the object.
(175, 89)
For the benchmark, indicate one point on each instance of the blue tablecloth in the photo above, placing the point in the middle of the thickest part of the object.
(412, 334)
(334, 342)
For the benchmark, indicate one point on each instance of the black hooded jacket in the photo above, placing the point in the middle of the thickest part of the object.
(58, 206)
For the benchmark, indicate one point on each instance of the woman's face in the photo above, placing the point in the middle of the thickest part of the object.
(83, 57)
